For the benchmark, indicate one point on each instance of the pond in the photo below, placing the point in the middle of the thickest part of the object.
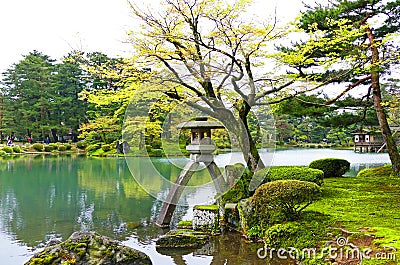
(45, 197)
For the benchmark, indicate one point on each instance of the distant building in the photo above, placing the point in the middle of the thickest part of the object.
(371, 140)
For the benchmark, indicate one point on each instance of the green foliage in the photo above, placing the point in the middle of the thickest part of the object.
(53, 146)
(378, 172)
(8, 149)
(240, 189)
(332, 167)
(81, 145)
(3, 153)
(156, 144)
(185, 223)
(308, 232)
(41, 96)
(255, 231)
(155, 153)
(16, 149)
(61, 147)
(68, 146)
(93, 147)
(106, 147)
(290, 172)
(38, 147)
(48, 148)
(288, 197)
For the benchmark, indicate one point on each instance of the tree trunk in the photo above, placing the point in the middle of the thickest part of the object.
(253, 158)
(241, 130)
(380, 112)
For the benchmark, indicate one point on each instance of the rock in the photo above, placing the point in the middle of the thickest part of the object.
(182, 239)
(206, 218)
(87, 248)
(231, 215)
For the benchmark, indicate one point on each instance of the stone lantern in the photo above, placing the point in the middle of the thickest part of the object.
(201, 148)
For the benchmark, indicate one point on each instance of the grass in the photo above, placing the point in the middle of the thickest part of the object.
(368, 205)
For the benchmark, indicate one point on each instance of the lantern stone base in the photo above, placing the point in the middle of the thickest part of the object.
(206, 218)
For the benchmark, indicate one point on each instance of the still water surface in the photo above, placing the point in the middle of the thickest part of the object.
(45, 197)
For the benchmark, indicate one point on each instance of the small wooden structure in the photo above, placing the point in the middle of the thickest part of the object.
(367, 141)
(201, 149)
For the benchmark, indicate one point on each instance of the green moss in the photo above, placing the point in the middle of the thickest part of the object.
(211, 207)
(182, 239)
(240, 190)
(185, 223)
(364, 205)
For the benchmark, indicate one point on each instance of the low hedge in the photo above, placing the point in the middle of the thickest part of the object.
(68, 146)
(81, 145)
(106, 147)
(290, 172)
(16, 149)
(61, 148)
(285, 198)
(93, 147)
(38, 147)
(48, 148)
(332, 167)
(7, 149)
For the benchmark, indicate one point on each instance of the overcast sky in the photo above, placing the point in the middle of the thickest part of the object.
(56, 27)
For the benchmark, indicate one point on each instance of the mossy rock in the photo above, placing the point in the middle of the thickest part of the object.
(206, 218)
(185, 224)
(182, 239)
(84, 248)
(231, 215)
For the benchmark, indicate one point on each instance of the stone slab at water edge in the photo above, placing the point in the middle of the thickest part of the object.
(89, 248)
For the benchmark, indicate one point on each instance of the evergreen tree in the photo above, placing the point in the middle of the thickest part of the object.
(350, 43)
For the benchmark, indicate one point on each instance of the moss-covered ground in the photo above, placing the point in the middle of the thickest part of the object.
(368, 205)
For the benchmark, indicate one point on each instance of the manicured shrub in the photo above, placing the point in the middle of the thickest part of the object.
(289, 172)
(81, 145)
(286, 197)
(38, 147)
(106, 147)
(68, 146)
(52, 146)
(48, 148)
(376, 172)
(61, 148)
(2, 153)
(93, 147)
(7, 149)
(16, 149)
(332, 167)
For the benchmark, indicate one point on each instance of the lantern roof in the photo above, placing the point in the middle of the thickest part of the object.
(200, 123)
